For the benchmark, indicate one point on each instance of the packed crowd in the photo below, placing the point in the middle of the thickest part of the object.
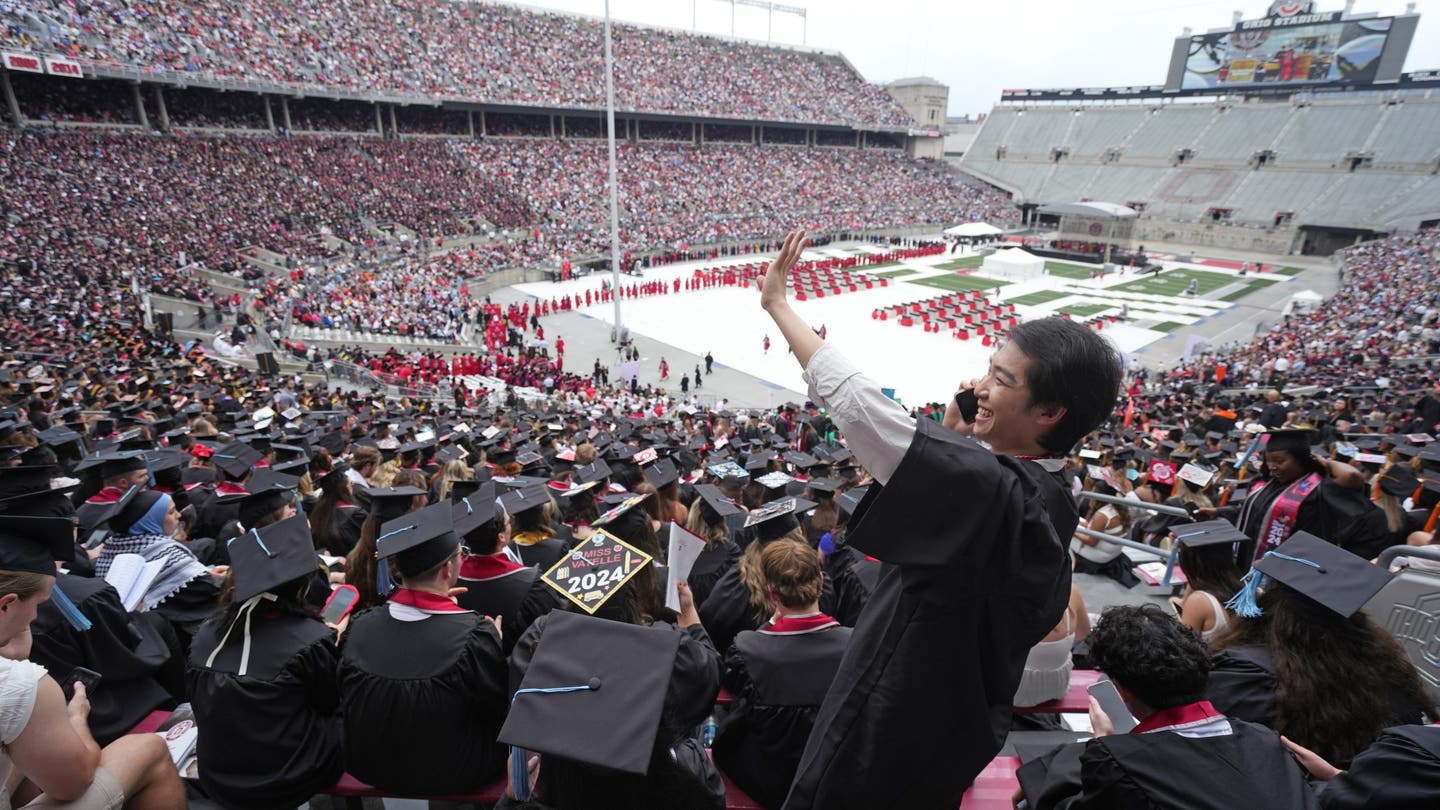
(174, 455)
(434, 48)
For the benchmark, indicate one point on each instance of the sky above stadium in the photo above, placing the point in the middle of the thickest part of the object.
(978, 49)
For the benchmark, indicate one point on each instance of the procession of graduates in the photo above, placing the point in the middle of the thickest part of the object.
(345, 585)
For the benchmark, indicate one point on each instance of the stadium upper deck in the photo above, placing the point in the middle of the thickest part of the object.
(439, 50)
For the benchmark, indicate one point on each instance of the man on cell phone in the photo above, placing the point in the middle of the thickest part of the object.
(972, 536)
(1176, 741)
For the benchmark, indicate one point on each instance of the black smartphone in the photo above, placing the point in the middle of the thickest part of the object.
(1113, 706)
(89, 677)
(96, 538)
(338, 606)
(968, 403)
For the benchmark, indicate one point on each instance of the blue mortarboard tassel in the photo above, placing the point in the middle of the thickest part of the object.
(67, 608)
(1243, 602)
(383, 585)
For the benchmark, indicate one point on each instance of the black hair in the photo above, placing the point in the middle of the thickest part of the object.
(485, 538)
(1144, 649)
(1073, 367)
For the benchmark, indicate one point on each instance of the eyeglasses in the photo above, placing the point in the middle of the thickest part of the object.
(466, 553)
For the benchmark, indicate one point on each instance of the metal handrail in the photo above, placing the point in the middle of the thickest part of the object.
(1157, 508)
(1169, 556)
(1425, 552)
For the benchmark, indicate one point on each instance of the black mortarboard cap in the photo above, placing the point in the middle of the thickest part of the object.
(262, 559)
(822, 486)
(27, 481)
(662, 473)
(388, 503)
(849, 500)
(418, 541)
(465, 488)
(597, 470)
(235, 458)
(712, 497)
(269, 491)
(594, 692)
(1207, 533)
(474, 510)
(523, 499)
(1399, 481)
(1326, 573)
(33, 544)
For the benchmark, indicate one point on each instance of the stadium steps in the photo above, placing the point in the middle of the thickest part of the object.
(1380, 122)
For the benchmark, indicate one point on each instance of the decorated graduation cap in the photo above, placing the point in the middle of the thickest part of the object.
(1321, 571)
(662, 473)
(236, 458)
(627, 502)
(418, 541)
(266, 558)
(594, 692)
(777, 518)
(1197, 473)
(595, 570)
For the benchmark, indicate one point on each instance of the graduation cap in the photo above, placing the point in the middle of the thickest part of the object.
(849, 500)
(774, 480)
(473, 510)
(28, 481)
(801, 460)
(1207, 533)
(727, 470)
(1197, 473)
(236, 458)
(662, 473)
(627, 503)
(823, 487)
(111, 464)
(466, 487)
(388, 503)
(716, 502)
(296, 467)
(34, 544)
(269, 491)
(420, 540)
(1399, 481)
(594, 692)
(597, 470)
(777, 518)
(1296, 442)
(1323, 572)
(262, 559)
(522, 499)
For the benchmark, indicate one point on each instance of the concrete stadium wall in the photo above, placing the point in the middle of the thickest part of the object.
(1257, 240)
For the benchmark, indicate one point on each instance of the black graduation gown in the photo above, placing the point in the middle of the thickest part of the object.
(849, 564)
(712, 563)
(1163, 770)
(543, 554)
(977, 571)
(125, 649)
(1373, 534)
(727, 612)
(1400, 771)
(422, 702)
(778, 682)
(1330, 512)
(272, 737)
(500, 595)
(349, 520)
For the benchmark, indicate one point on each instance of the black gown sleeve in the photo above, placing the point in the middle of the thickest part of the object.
(1399, 771)
(1241, 688)
(318, 667)
(696, 680)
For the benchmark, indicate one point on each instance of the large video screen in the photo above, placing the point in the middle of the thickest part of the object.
(1343, 52)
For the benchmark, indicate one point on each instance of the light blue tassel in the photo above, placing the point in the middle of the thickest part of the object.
(383, 586)
(67, 608)
(1243, 602)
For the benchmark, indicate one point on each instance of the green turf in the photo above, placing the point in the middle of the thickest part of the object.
(904, 271)
(1290, 271)
(1037, 298)
(871, 268)
(1167, 326)
(1085, 310)
(956, 283)
(967, 263)
(1065, 270)
(1174, 282)
(1250, 287)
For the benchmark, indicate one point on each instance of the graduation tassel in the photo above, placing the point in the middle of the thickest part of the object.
(383, 586)
(1243, 602)
(68, 609)
(1434, 513)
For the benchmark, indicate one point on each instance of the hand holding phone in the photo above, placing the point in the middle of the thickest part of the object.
(342, 600)
(1113, 706)
(968, 404)
(89, 677)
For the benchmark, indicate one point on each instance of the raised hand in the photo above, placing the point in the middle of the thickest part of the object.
(776, 279)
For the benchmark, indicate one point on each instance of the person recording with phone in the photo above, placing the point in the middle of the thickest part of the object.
(970, 518)
(1157, 742)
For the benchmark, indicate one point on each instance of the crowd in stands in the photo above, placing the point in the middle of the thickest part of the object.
(435, 48)
(1171, 439)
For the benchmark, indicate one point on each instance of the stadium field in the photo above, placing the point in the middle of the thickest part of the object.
(1290, 271)
(1085, 310)
(959, 283)
(904, 271)
(1167, 326)
(1036, 298)
(1066, 270)
(967, 263)
(1175, 282)
(1250, 287)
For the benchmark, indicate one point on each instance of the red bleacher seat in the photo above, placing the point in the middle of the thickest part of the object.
(994, 786)
(1076, 700)
(151, 722)
(350, 786)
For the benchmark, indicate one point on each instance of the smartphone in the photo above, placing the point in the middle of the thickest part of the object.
(89, 677)
(96, 538)
(342, 600)
(968, 403)
(1114, 707)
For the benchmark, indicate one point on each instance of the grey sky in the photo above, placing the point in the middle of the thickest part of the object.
(981, 48)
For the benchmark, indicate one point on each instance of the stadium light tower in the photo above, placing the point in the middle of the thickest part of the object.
(770, 8)
(614, 185)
